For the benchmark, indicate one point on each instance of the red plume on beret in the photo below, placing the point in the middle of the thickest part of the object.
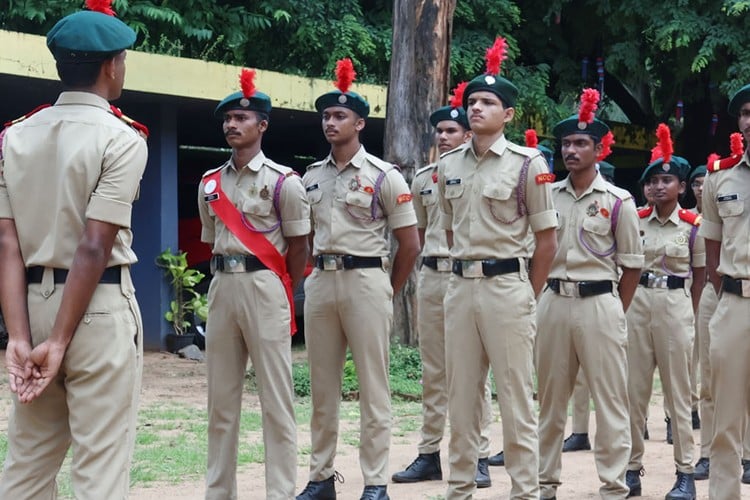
(458, 95)
(532, 140)
(589, 101)
(247, 83)
(103, 6)
(712, 158)
(607, 141)
(345, 74)
(736, 146)
(664, 143)
(496, 55)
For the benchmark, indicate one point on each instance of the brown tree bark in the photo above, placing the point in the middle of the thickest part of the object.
(418, 84)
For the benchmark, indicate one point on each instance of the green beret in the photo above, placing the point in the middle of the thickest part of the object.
(498, 85)
(700, 171)
(569, 126)
(258, 102)
(350, 100)
(88, 36)
(738, 99)
(606, 169)
(449, 113)
(678, 166)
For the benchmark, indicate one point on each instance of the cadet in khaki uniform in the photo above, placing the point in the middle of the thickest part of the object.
(660, 319)
(492, 192)
(249, 310)
(581, 313)
(355, 197)
(68, 177)
(451, 130)
(726, 208)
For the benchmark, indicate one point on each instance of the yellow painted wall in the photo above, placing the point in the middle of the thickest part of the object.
(27, 56)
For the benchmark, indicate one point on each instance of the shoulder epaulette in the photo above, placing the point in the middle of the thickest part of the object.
(462, 147)
(690, 217)
(22, 118)
(619, 192)
(424, 169)
(645, 212)
(138, 127)
(316, 164)
(724, 163)
(381, 164)
(211, 171)
(523, 150)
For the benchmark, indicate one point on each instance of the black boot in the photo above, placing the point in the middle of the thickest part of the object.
(497, 460)
(696, 420)
(746, 471)
(702, 469)
(483, 474)
(320, 490)
(669, 429)
(576, 442)
(633, 480)
(426, 467)
(683, 489)
(375, 493)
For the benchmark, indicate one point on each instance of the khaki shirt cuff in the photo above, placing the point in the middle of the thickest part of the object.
(110, 211)
(630, 260)
(710, 230)
(5, 211)
(543, 220)
(405, 219)
(446, 221)
(699, 260)
(208, 236)
(291, 228)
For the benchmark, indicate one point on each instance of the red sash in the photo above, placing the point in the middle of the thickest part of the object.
(263, 249)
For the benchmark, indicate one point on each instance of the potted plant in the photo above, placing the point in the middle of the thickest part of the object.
(186, 302)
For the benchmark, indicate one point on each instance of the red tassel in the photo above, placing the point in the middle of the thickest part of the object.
(735, 144)
(531, 138)
(607, 141)
(458, 95)
(664, 137)
(496, 55)
(247, 82)
(345, 74)
(103, 6)
(655, 153)
(712, 158)
(589, 101)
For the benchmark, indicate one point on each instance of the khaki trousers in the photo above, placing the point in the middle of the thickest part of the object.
(661, 334)
(706, 308)
(581, 408)
(351, 308)
(589, 333)
(249, 314)
(729, 352)
(490, 321)
(91, 405)
(431, 288)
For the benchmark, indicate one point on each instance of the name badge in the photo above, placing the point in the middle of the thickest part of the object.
(211, 197)
(727, 197)
(425, 191)
(311, 187)
(452, 182)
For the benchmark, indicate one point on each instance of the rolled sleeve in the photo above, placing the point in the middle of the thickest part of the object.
(399, 213)
(5, 211)
(628, 237)
(295, 208)
(446, 210)
(539, 204)
(710, 230)
(543, 220)
(419, 209)
(711, 225)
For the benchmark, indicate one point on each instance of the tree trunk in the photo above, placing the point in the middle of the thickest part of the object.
(418, 84)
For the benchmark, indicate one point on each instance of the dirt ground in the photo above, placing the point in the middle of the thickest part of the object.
(169, 378)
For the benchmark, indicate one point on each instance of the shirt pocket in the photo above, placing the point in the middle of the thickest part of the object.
(677, 258)
(429, 199)
(731, 208)
(257, 207)
(454, 191)
(597, 235)
(359, 204)
(314, 196)
(500, 200)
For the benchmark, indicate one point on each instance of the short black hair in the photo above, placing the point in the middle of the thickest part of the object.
(262, 116)
(77, 74)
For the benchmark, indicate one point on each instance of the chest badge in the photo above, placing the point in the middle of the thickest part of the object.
(253, 190)
(355, 183)
(264, 194)
(681, 239)
(593, 209)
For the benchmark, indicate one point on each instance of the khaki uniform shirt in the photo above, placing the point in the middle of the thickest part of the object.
(425, 191)
(666, 245)
(251, 189)
(586, 221)
(64, 165)
(480, 202)
(342, 205)
(726, 216)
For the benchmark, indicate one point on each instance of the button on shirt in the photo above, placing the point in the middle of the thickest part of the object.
(424, 187)
(666, 245)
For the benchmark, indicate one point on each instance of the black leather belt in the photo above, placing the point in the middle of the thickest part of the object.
(437, 263)
(333, 262)
(736, 286)
(584, 288)
(671, 282)
(229, 262)
(34, 274)
(490, 267)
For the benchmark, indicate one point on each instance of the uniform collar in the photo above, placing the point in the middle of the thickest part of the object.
(254, 164)
(357, 160)
(86, 98)
(598, 184)
(674, 217)
(498, 147)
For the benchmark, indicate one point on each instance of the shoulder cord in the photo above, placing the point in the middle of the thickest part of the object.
(276, 207)
(614, 219)
(520, 195)
(374, 205)
(691, 241)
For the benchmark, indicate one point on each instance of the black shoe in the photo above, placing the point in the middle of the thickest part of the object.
(633, 480)
(645, 431)
(746, 471)
(702, 468)
(426, 467)
(483, 474)
(497, 460)
(576, 442)
(549, 498)
(696, 420)
(321, 490)
(683, 489)
(669, 430)
(375, 493)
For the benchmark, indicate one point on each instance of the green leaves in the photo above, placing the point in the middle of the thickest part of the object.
(183, 280)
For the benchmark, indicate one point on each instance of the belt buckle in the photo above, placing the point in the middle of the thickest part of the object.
(332, 262)
(472, 269)
(661, 281)
(569, 289)
(443, 264)
(745, 288)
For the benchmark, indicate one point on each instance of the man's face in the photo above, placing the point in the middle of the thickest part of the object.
(486, 113)
(341, 125)
(579, 152)
(743, 121)
(450, 135)
(243, 128)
